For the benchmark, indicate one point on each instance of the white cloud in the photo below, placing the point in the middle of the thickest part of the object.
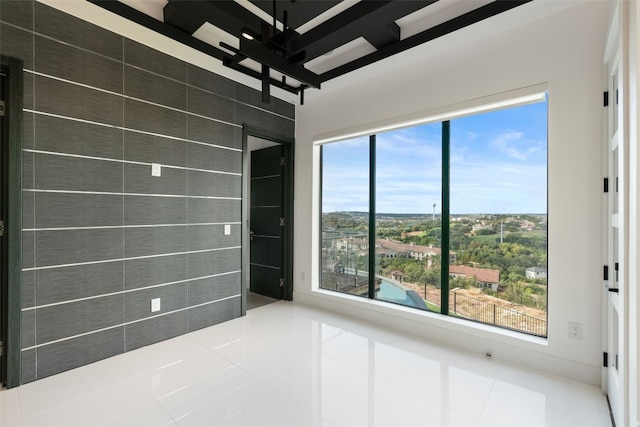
(515, 145)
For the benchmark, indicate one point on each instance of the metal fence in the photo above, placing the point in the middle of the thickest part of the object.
(492, 314)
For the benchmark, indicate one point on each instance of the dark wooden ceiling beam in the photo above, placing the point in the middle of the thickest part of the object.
(362, 18)
(440, 30)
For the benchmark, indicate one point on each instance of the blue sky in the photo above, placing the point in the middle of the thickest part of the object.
(498, 165)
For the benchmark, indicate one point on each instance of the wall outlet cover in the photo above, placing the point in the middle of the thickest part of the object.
(155, 305)
(156, 169)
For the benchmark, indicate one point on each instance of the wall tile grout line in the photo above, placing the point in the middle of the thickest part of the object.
(131, 162)
(133, 290)
(76, 119)
(104, 261)
(130, 323)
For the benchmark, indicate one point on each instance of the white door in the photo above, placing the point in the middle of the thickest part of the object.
(616, 169)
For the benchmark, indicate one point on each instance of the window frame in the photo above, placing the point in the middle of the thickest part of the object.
(506, 100)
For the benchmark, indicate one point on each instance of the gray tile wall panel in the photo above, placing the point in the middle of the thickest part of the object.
(151, 118)
(17, 12)
(17, 43)
(205, 157)
(212, 236)
(28, 120)
(28, 328)
(211, 210)
(77, 246)
(214, 262)
(214, 83)
(28, 249)
(213, 184)
(55, 172)
(28, 289)
(142, 84)
(146, 148)
(146, 210)
(154, 240)
(28, 169)
(156, 329)
(254, 117)
(54, 210)
(213, 288)
(28, 366)
(76, 32)
(138, 179)
(28, 101)
(78, 66)
(210, 105)
(80, 52)
(57, 322)
(70, 100)
(138, 303)
(28, 216)
(212, 314)
(212, 132)
(75, 352)
(155, 61)
(154, 271)
(73, 137)
(68, 283)
(284, 127)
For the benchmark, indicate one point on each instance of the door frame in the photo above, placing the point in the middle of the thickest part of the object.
(12, 203)
(287, 201)
(617, 212)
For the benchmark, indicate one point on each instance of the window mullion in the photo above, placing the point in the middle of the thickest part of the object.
(372, 216)
(444, 229)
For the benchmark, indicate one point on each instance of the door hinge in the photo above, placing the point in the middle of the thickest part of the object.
(605, 271)
(281, 222)
(605, 359)
(281, 161)
(282, 283)
(1, 348)
(2, 107)
(606, 185)
(1, 228)
(606, 99)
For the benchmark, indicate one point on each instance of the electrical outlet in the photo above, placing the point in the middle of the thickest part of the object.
(575, 330)
(155, 305)
(302, 276)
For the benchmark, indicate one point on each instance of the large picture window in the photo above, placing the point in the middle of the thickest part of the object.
(448, 216)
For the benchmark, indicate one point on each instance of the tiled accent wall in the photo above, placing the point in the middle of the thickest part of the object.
(101, 236)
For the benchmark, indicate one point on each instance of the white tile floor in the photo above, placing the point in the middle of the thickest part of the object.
(290, 365)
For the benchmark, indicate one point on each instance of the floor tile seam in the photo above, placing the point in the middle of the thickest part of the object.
(139, 375)
(67, 403)
(570, 382)
(19, 405)
(156, 401)
(494, 381)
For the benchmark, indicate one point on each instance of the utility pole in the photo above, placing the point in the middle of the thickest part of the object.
(434, 213)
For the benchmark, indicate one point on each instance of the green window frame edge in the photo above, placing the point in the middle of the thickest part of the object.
(13, 226)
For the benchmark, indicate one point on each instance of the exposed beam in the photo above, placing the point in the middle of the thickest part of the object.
(229, 16)
(159, 27)
(440, 30)
(383, 36)
(361, 19)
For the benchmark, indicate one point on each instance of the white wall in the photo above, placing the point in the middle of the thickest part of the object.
(557, 43)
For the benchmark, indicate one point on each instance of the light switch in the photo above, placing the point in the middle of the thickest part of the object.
(155, 305)
(227, 229)
(156, 169)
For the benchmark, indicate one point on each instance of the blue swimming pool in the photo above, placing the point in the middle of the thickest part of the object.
(394, 293)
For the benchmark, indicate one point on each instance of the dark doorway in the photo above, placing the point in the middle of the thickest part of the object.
(268, 219)
(266, 222)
